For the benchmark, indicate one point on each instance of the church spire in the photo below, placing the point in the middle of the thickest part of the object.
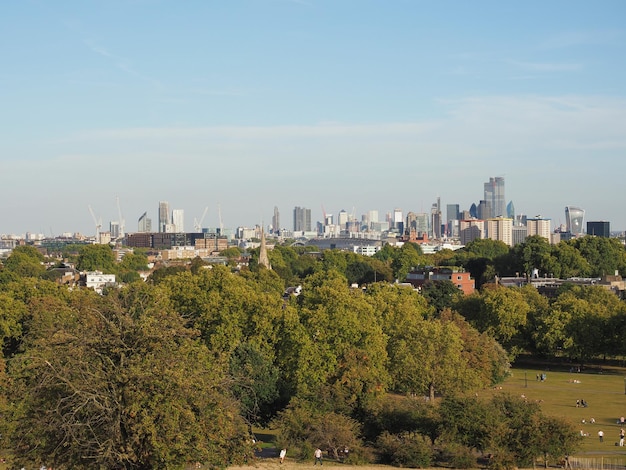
(263, 258)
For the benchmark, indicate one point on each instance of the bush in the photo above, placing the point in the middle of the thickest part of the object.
(502, 460)
(403, 450)
(458, 456)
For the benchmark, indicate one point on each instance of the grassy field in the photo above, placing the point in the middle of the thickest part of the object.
(604, 390)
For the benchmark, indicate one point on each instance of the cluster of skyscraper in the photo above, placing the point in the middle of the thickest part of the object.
(168, 222)
(491, 218)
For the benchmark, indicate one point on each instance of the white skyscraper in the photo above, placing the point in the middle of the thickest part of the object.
(178, 220)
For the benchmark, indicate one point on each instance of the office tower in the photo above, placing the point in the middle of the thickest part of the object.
(411, 222)
(372, 216)
(422, 222)
(144, 223)
(494, 195)
(301, 219)
(599, 229)
(484, 210)
(574, 219)
(539, 226)
(473, 210)
(501, 229)
(178, 220)
(452, 220)
(342, 219)
(398, 220)
(510, 211)
(114, 229)
(164, 215)
(435, 219)
(471, 229)
(276, 220)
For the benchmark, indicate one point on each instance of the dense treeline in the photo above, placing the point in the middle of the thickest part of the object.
(177, 369)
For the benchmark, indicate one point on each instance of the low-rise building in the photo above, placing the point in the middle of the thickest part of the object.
(97, 280)
(461, 279)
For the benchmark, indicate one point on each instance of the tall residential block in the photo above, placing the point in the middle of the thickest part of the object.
(144, 223)
(471, 229)
(539, 226)
(501, 229)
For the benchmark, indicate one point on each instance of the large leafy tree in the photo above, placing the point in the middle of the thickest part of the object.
(537, 253)
(408, 256)
(589, 314)
(604, 255)
(441, 294)
(482, 258)
(96, 258)
(118, 383)
(426, 357)
(571, 261)
(25, 261)
(342, 360)
(499, 311)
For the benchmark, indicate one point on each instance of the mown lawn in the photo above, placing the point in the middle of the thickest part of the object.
(604, 390)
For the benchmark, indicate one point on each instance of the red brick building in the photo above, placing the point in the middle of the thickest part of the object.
(419, 276)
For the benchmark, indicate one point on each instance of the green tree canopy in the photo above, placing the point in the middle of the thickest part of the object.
(114, 383)
(96, 258)
(25, 261)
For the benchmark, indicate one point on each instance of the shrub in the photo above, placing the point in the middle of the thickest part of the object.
(404, 450)
(458, 456)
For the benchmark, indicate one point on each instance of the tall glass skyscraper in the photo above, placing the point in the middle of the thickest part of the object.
(574, 219)
(494, 195)
(510, 211)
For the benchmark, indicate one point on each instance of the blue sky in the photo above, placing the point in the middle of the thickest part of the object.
(347, 104)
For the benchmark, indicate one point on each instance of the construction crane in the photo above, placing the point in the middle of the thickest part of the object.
(197, 224)
(97, 222)
(121, 220)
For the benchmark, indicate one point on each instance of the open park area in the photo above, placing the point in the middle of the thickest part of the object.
(563, 387)
(602, 389)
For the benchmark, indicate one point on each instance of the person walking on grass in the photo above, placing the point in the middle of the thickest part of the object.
(282, 455)
(621, 437)
(601, 435)
(318, 456)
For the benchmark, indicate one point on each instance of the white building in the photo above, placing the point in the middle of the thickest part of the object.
(98, 281)
(178, 220)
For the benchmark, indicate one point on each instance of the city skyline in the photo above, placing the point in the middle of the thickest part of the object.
(357, 105)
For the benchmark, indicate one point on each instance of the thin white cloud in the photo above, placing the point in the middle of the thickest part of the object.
(551, 149)
(217, 92)
(120, 63)
(584, 38)
(545, 66)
